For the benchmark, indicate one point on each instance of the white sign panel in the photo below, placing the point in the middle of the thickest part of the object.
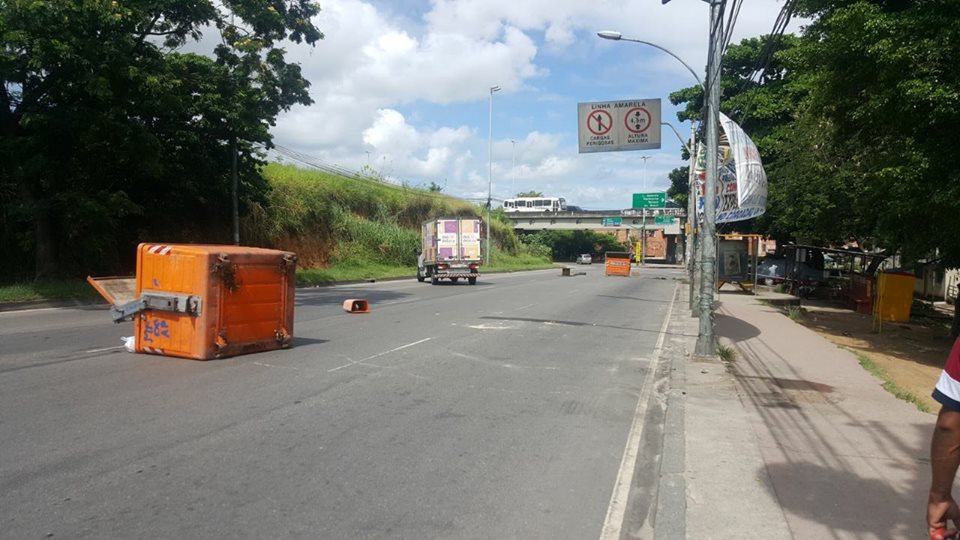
(742, 185)
(751, 178)
(614, 126)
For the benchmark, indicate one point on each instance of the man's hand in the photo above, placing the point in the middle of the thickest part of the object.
(944, 461)
(939, 511)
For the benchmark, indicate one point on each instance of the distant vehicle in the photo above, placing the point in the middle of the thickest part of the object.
(450, 249)
(585, 258)
(535, 204)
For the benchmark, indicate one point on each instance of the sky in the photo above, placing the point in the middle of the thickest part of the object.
(401, 88)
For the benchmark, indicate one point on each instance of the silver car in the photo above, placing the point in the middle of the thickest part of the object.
(584, 259)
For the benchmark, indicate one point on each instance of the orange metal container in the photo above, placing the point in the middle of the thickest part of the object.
(617, 264)
(221, 300)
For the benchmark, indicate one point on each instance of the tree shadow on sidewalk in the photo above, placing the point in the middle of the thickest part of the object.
(735, 329)
(839, 466)
(842, 500)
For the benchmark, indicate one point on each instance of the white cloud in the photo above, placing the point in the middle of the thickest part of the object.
(373, 64)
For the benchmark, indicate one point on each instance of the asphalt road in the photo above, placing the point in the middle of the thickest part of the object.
(500, 410)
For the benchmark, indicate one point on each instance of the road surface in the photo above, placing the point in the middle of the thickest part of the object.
(501, 410)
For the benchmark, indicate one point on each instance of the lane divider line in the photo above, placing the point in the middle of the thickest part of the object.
(378, 355)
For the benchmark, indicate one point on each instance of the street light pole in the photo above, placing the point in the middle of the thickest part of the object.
(617, 36)
(490, 169)
(644, 158)
(692, 236)
(706, 345)
(513, 168)
(692, 218)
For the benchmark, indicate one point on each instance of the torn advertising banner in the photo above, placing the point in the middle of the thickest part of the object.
(742, 185)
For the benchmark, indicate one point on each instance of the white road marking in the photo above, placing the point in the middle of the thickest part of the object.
(613, 524)
(489, 327)
(274, 366)
(103, 350)
(378, 355)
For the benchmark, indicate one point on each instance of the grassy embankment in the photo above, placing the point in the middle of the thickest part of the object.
(342, 229)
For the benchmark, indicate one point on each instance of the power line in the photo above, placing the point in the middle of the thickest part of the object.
(766, 55)
(731, 23)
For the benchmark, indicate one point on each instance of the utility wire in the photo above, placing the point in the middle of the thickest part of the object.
(731, 23)
(766, 55)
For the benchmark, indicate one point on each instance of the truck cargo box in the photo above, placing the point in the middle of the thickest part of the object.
(450, 249)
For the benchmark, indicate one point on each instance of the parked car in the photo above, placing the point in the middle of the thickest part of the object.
(776, 270)
(584, 258)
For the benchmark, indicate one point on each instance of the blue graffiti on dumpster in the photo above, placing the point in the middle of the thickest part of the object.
(155, 328)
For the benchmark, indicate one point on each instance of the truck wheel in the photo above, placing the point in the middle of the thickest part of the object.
(420, 277)
(434, 279)
(472, 280)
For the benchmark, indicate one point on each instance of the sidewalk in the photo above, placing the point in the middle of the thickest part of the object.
(793, 439)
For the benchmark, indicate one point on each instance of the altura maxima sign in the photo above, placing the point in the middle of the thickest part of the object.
(614, 126)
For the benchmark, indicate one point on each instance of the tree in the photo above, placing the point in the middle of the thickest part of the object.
(854, 125)
(763, 105)
(110, 135)
(530, 194)
(679, 189)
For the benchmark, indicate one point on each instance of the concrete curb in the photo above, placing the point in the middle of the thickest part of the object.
(671, 510)
(45, 304)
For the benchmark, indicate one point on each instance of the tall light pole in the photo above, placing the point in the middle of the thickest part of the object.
(644, 158)
(692, 233)
(692, 237)
(617, 36)
(513, 168)
(490, 168)
(706, 345)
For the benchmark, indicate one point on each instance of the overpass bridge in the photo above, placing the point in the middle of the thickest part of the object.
(668, 219)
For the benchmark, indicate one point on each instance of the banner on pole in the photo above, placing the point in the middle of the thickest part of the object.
(742, 183)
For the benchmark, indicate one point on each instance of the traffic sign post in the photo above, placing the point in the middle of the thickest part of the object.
(615, 126)
(649, 200)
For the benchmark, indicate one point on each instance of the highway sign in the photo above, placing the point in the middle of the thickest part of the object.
(649, 200)
(611, 222)
(614, 126)
(664, 220)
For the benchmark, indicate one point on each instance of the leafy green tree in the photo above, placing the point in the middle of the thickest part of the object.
(854, 125)
(566, 245)
(530, 193)
(679, 189)
(110, 135)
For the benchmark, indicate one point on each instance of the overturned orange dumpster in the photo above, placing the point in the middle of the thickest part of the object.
(206, 301)
(617, 263)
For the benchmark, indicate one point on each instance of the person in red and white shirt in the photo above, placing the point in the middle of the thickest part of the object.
(945, 450)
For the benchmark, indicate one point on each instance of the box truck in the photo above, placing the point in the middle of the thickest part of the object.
(450, 249)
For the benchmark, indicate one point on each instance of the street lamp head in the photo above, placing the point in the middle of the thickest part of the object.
(494, 89)
(610, 34)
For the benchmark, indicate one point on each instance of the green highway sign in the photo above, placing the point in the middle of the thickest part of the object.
(611, 222)
(649, 200)
(664, 220)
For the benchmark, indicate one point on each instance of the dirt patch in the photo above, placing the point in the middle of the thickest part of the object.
(911, 353)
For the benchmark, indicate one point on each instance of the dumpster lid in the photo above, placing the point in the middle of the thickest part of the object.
(118, 290)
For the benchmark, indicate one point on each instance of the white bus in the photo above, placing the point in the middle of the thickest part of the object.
(535, 204)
